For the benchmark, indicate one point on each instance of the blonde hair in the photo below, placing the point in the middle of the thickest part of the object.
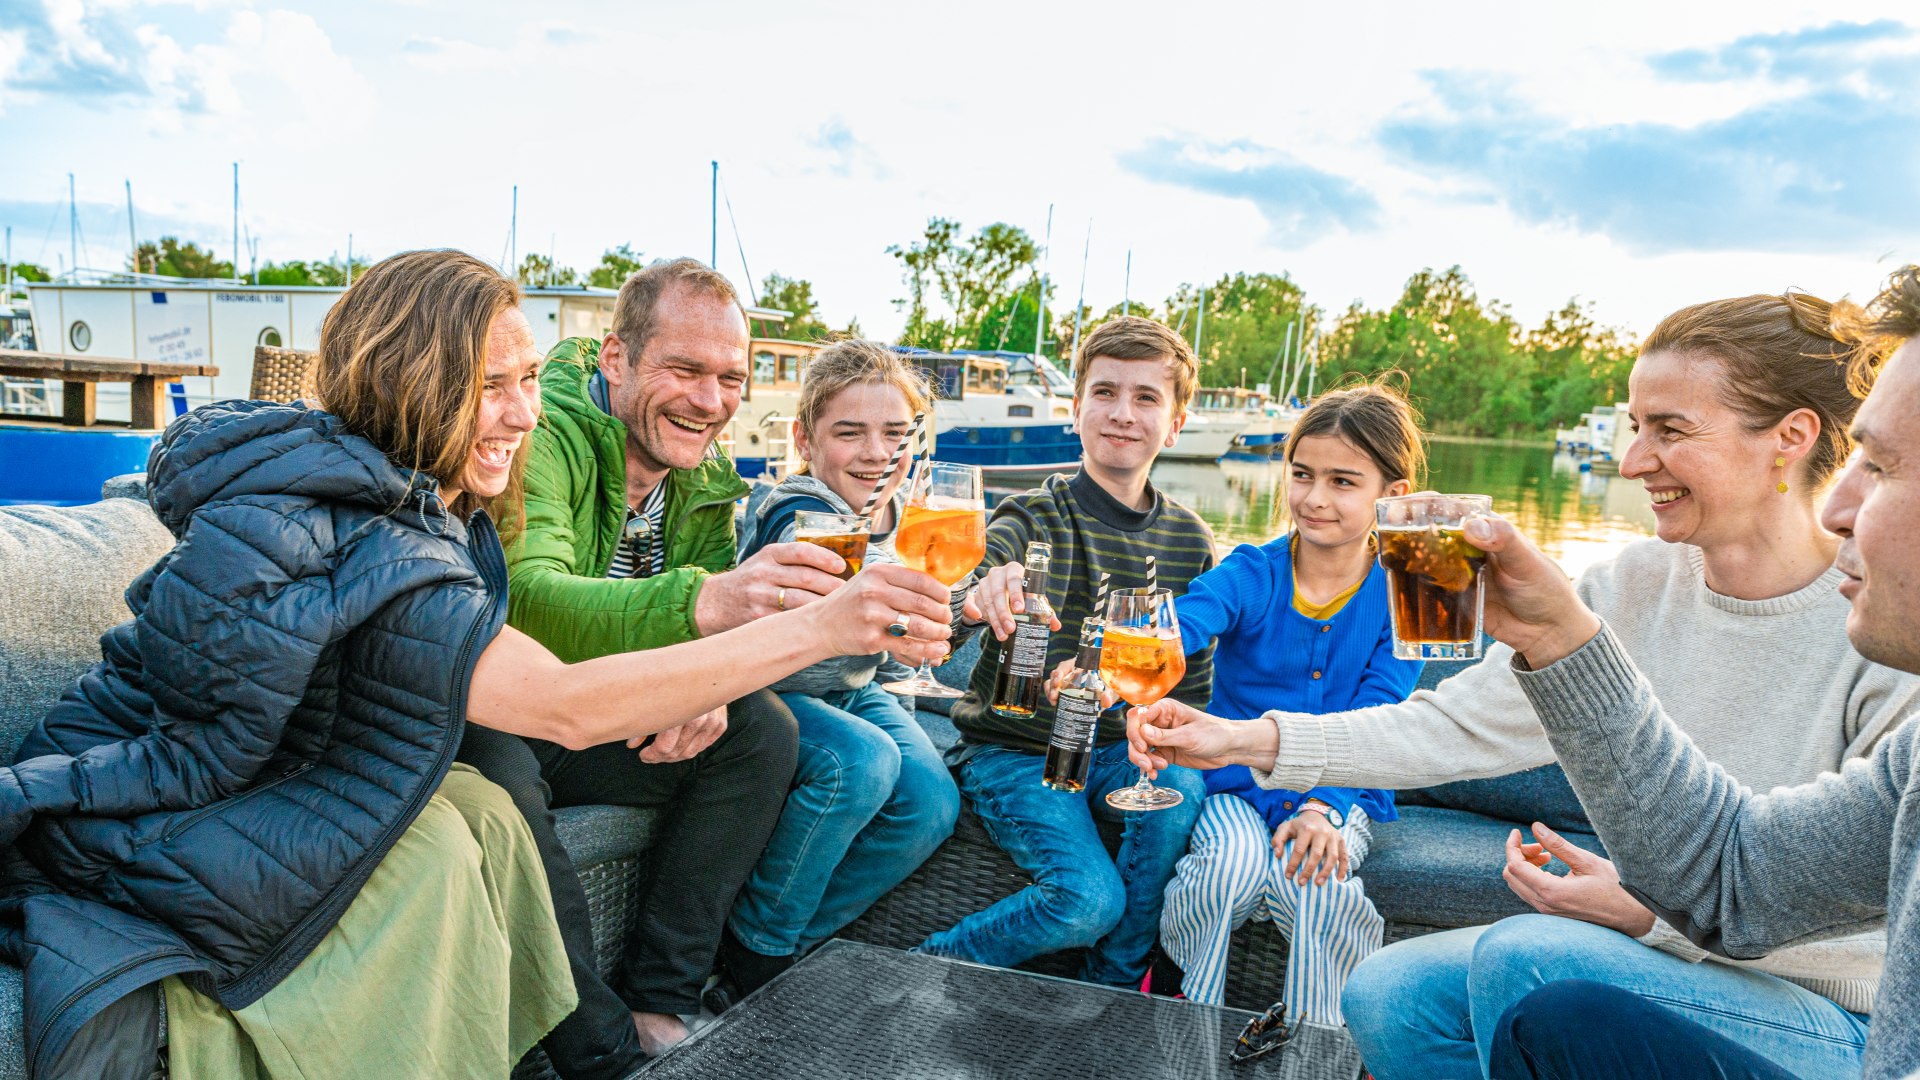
(854, 362)
(1131, 337)
(1376, 417)
(403, 363)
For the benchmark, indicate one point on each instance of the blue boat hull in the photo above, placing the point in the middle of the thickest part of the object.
(65, 467)
(995, 449)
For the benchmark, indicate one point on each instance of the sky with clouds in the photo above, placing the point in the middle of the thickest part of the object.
(1639, 156)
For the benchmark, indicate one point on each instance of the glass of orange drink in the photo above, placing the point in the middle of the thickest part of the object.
(1141, 660)
(944, 535)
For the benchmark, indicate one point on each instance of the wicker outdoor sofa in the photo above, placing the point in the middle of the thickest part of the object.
(63, 572)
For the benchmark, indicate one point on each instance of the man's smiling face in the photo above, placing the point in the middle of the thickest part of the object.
(686, 383)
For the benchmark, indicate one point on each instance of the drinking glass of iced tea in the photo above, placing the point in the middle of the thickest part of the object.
(943, 533)
(1142, 661)
(1434, 582)
(843, 534)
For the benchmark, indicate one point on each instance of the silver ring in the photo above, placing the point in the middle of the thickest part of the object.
(898, 627)
(780, 599)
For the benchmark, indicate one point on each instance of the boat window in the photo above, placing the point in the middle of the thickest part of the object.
(986, 380)
(270, 337)
(1019, 410)
(1017, 435)
(763, 368)
(789, 367)
(80, 336)
(973, 435)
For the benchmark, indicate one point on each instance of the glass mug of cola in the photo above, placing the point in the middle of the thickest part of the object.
(843, 534)
(1434, 582)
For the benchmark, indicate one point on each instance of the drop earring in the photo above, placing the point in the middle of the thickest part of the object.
(1780, 462)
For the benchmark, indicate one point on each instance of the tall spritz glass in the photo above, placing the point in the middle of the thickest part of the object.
(944, 535)
(1141, 660)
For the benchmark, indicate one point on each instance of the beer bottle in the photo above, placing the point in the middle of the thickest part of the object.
(1076, 719)
(1022, 683)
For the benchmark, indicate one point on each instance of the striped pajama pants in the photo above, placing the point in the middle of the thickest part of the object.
(1231, 875)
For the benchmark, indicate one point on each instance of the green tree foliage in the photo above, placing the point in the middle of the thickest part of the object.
(1472, 368)
(295, 272)
(538, 271)
(176, 258)
(26, 272)
(793, 295)
(1245, 325)
(968, 276)
(616, 266)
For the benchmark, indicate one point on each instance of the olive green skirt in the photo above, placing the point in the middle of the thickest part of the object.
(448, 964)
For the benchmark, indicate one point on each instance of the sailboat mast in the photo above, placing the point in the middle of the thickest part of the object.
(513, 236)
(1315, 369)
(1126, 290)
(1040, 308)
(73, 227)
(236, 219)
(1080, 305)
(1199, 320)
(133, 234)
(713, 216)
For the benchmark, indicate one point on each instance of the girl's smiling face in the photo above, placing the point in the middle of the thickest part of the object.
(1331, 486)
(856, 432)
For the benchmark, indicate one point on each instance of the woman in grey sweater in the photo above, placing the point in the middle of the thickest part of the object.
(1741, 409)
(1741, 874)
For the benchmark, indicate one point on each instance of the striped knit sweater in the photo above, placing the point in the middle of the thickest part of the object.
(1091, 532)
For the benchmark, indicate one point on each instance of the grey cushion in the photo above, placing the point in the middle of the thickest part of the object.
(597, 834)
(63, 573)
(1440, 867)
(13, 1048)
(131, 485)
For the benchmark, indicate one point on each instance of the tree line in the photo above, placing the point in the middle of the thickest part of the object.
(1473, 367)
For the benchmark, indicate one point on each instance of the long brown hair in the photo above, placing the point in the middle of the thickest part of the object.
(403, 362)
(1377, 419)
(1777, 355)
(853, 362)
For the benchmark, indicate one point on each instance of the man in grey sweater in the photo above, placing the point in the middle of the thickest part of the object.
(1740, 874)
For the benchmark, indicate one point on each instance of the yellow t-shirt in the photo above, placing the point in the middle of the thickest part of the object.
(1328, 610)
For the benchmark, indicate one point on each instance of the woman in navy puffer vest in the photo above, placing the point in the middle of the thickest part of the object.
(293, 684)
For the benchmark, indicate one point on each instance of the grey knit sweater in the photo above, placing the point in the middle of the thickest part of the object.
(1739, 873)
(1722, 666)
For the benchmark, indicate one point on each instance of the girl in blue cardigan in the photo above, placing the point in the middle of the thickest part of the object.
(1302, 625)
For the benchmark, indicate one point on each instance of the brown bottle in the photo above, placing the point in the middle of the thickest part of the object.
(1076, 718)
(1022, 683)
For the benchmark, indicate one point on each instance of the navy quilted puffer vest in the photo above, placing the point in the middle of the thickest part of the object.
(288, 694)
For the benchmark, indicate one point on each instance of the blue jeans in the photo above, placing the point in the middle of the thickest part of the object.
(1577, 1029)
(1080, 897)
(1429, 1006)
(871, 800)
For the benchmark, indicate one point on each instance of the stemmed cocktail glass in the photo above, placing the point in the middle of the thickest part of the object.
(1141, 660)
(943, 534)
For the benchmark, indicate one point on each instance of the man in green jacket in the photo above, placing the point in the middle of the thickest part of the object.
(628, 544)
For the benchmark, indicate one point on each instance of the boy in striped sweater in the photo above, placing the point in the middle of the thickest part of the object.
(1132, 382)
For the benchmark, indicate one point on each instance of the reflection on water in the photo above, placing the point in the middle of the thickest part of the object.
(1579, 518)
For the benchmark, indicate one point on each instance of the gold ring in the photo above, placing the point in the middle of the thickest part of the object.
(898, 627)
(780, 599)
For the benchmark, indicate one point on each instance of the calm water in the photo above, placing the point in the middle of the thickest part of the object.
(1579, 518)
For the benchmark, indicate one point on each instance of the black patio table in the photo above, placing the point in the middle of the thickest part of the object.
(852, 1010)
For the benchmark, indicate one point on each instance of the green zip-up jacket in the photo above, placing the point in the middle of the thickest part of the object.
(576, 498)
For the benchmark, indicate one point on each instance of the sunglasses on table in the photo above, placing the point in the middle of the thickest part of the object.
(1263, 1035)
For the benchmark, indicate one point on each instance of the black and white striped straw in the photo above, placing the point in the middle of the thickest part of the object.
(892, 464)
(1100, 596)
(1152, 577)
